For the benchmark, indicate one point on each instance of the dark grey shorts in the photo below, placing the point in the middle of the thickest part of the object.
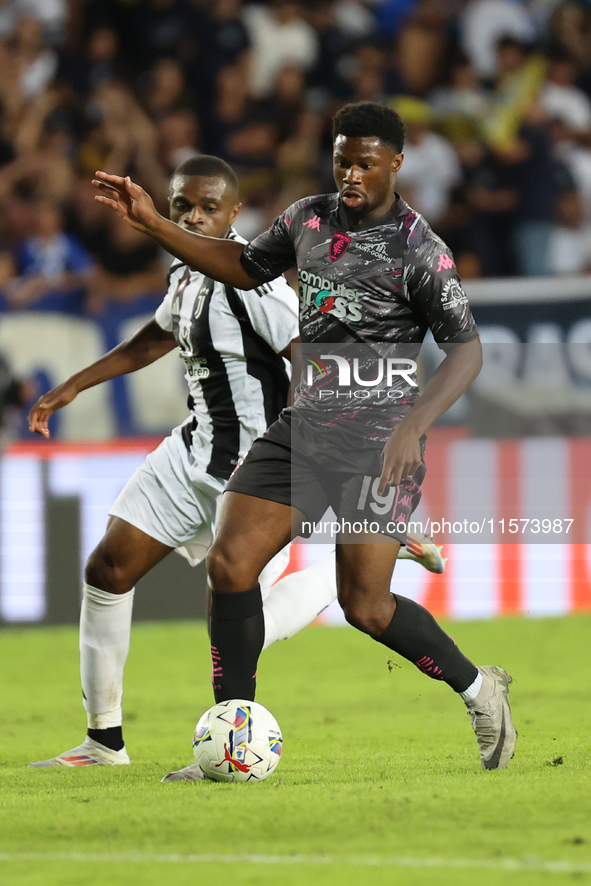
(303, 476)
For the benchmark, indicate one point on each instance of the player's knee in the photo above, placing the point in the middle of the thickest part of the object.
(226, 571)
(365, 615)
(104, 573)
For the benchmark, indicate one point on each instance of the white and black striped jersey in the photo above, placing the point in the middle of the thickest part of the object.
(231, 342)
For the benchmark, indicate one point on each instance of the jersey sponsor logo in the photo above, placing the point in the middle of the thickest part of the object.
(338, 245)
(453, 295)
(329, 298)
(446, 262)
(313, 223)
(195, 367)
(379, 250)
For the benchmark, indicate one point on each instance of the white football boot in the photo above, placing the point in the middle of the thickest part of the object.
(491, 718)
(192, 772)
(422, 549)
(89, 753)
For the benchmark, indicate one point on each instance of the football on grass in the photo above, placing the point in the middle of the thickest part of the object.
(237, 740)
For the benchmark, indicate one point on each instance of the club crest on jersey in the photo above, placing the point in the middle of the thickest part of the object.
(338, 245)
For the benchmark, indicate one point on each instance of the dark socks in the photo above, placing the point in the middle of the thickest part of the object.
(110, 738)
(237, 637)
(414, 634)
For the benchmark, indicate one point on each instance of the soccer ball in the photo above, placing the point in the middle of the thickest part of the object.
(237, 740)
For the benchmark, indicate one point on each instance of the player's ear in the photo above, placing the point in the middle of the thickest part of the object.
(397, 162)
(234, 213)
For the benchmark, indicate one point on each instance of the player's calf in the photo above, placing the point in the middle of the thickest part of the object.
(414, 634)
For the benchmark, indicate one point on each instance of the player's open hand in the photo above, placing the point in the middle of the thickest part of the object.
(401, 456)
(46, 405)
(129, 201)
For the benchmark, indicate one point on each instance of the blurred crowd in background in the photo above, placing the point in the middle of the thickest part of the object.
(495, 94)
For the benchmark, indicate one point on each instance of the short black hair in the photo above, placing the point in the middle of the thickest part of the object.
(365, 119)
(209, 167)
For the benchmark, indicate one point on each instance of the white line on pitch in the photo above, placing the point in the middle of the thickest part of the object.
(494, 864)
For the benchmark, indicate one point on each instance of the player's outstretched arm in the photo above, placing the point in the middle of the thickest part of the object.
(401, 455)
(144, 347)
(213, 257)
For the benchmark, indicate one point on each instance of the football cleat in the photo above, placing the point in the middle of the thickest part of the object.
(491, 718)
(89, 753)
(422, 549)
(192, 772)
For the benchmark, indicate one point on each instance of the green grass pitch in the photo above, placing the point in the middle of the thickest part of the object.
(379, 783)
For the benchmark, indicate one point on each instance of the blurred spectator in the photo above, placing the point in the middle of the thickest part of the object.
(127, 264)
(43, 172)
(463, 97)
(498, 155)
(49, 262)
(160, 28)
(570, 30)
(327, 78)
(279, 36)
(431, 168)
(84, 70)
(577, 159)
(353, 19)
(560, 97)
(35, 62)
(367, 78)
(420, 50)
(570, 244)
(491, 200)
(14, 393)
(165, 90)
(223, 40)
(520, 74)
(484, 22)
(50, 13)
(392, 14)
(539, 181)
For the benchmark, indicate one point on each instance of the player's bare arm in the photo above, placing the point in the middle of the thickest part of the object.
(213, 257)
(402, 453)
(146, 346)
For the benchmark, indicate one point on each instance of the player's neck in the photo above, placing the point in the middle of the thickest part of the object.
(378, 212)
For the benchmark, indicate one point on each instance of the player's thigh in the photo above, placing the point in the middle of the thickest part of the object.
(123, 556)
(250, 531)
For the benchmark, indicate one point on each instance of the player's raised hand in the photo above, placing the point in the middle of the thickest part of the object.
(129, 201)
(401, 456)
(46, 405)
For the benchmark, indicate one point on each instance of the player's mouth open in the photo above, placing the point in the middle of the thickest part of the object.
(352, 198)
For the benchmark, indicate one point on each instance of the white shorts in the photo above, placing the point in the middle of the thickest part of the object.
(175, 501)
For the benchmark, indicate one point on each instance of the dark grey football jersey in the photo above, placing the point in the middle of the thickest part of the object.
(381, 284)
(387, 280)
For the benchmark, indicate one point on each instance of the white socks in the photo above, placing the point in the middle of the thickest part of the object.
(473, 689)
(297, 599)
(105, 629)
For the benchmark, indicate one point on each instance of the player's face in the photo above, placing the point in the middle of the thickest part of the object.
(365, 173)
(203, 205)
